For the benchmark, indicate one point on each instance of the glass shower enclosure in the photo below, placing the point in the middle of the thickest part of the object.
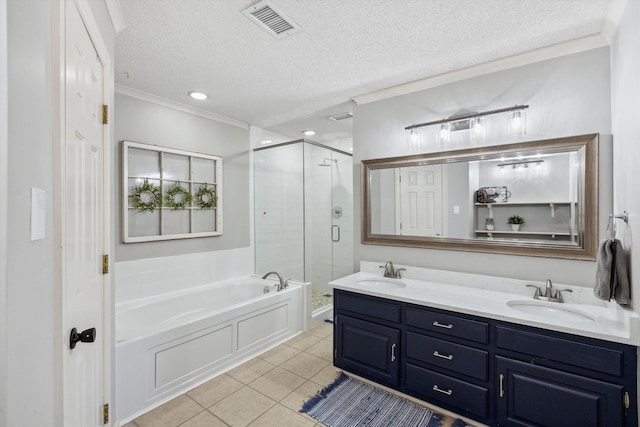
(304, 216)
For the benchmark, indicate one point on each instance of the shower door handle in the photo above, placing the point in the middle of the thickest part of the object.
(335, 228)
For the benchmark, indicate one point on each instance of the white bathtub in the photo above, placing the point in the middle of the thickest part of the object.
(169, 344)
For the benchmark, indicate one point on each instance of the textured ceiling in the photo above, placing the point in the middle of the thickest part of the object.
(346, 48)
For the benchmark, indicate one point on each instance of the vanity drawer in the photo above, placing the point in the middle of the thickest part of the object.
(563, 350)
(463, 395)
(367, 306)
(446, 324)
(454, 357)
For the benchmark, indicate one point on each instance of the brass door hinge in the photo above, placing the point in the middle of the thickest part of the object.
(105, 413)
(105, 114)
(627, 400)
(105, 264)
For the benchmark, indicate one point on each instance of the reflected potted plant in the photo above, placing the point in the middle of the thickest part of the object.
(515, 221)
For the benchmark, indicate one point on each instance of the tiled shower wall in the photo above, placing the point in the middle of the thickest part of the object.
(279, 211)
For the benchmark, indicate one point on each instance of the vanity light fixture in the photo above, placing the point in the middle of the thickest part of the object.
(472, 121)
(517, 124)
(445, 133)
(412, 141)
(200, 96)
(309, 132)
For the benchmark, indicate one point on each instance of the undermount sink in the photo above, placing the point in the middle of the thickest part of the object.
(382, 284)
(550, 310)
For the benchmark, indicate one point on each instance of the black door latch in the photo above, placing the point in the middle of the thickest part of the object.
(88, 335)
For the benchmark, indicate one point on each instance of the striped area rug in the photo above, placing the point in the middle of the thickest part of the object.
(351, 403)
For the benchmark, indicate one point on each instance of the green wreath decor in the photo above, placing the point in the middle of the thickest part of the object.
(206, 197)
(146, 197)
(177, 197)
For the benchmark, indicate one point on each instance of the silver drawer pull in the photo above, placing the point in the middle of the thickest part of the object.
(442, 356)
(393, 353)
(442, 325)
(438, 389)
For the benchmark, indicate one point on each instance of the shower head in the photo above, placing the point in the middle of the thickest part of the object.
(324, 162)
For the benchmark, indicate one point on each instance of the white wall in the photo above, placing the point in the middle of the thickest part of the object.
(147, 122)
(625, 112)
(568, 96)
(30, 265)
(3, 212)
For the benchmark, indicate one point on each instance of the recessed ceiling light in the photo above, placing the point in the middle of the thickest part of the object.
(198, 95)
(309, 132)
(265, 141)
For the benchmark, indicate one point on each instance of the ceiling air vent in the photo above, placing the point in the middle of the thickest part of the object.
(341, 116)
(270, 19)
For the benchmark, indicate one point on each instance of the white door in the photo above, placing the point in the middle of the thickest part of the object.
(420, 201)
(83, 238)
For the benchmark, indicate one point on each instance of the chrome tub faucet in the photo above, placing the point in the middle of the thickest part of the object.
(282, 283)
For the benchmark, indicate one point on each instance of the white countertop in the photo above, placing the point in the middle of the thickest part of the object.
(483, 298)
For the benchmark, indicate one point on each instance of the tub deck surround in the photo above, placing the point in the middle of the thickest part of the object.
(147, 316)
(488, 296)
(166, 345)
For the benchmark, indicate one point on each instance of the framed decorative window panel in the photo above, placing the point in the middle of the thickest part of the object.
(169, 194)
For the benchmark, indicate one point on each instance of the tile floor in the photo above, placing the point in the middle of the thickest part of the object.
(265, 391)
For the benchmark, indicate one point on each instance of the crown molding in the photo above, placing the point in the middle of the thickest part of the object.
(135, 93)
(554, 51)
(613, 18)
(115, 13)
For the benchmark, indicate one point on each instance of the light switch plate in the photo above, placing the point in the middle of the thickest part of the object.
(38, 213)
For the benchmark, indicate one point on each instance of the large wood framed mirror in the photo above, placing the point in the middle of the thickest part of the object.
(463, 199)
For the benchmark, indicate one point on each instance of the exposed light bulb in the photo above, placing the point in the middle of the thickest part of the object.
(517, 123)
(516, 120)
(476, 125)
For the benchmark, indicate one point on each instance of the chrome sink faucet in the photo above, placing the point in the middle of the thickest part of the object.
(282, 284)
(390, 271)
(549, 294)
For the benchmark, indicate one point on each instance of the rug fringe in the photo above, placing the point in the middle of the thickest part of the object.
(308, 405)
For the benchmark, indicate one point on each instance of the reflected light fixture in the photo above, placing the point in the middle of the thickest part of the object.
(309, 132)
(520, 163)
(475, 122)
(200, 96)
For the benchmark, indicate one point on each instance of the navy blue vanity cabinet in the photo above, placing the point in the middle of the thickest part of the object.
(547, 378)
(367, 337)
(495, 372)
(447, 360)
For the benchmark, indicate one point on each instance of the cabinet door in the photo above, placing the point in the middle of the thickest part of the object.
(367, 349)
(530, 395)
